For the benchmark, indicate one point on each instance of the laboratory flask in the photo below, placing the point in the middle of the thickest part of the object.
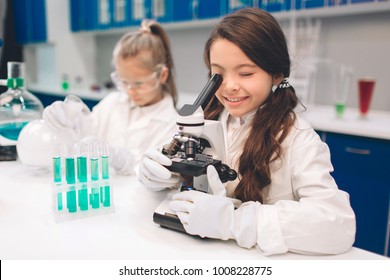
(17, 106)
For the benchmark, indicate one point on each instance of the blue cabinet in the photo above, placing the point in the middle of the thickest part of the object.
(362, 168)
(86, 15)
(30, 21)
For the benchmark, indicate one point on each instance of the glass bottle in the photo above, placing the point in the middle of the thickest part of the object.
(17, 105)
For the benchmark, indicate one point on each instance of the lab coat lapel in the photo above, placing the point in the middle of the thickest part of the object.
(158, 114)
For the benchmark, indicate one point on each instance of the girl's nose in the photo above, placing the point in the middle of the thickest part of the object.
(230, 85)
(131, 91)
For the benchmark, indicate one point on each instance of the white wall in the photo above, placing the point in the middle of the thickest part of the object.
(362, 41)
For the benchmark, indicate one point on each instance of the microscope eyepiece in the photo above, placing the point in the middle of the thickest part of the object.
(208, 91)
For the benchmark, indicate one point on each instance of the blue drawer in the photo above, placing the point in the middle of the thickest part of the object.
(362, 169)
(367, 157)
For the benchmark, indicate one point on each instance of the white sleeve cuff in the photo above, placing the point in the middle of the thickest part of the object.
(269, 234)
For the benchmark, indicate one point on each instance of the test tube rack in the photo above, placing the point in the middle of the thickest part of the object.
(78, 193)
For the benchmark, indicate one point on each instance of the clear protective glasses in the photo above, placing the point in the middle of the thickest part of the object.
(142, 86)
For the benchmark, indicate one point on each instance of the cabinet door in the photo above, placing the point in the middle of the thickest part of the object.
(30, 21)
(362, 169)
(88, 15)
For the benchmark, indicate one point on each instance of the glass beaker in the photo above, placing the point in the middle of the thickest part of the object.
(332, 84)
(365, 90)
(342, 79)
(17, 105)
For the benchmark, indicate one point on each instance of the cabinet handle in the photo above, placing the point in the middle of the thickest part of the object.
(357, 151)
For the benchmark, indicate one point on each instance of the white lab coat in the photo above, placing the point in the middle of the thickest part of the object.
(117, 120)
(304, 211)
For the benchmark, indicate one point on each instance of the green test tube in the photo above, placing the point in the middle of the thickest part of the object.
(94, 161)
(57, 171)
(70, 179)
(106, 197)
(95, 177)
(82, 177)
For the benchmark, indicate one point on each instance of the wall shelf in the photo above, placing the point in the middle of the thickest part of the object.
(325, 12)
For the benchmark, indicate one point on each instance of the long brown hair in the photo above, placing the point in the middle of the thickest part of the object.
(151, 37)
(262, 40)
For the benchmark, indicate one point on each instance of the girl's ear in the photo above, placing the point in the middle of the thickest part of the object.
(277, 79)
(164, 75)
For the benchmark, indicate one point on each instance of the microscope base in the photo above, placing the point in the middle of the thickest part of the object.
(166, 218)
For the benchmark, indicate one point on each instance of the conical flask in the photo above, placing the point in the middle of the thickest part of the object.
(17, 105)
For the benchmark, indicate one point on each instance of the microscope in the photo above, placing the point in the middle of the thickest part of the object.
(197, 144)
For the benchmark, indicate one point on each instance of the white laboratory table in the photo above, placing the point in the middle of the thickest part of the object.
(323, 118)
(28, 229)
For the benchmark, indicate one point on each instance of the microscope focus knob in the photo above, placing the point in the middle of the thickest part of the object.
(226, 174)
(232, 175)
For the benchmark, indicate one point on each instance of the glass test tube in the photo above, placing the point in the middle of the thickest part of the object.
(82, 176)
(106, 199)
(94, 198)
(70, 179)
(57, 172)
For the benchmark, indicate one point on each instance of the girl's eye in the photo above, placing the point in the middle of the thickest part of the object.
(246, 74)
(138, 83)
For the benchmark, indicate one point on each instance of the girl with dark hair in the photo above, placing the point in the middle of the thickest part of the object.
(289, 200)
(141, 113)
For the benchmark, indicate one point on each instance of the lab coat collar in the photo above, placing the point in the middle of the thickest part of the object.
(158, 112)
(152, 108)
(226, 117)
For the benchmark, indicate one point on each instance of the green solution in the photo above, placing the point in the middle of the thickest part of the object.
(340, 108)
(82, 177)
(58, 179)
(94, 177)
(105, 175)
(11, 130)
(70, 179)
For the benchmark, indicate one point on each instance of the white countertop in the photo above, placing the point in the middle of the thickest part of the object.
(28, 229)
(375, 125)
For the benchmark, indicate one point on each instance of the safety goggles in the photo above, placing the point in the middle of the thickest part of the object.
(145, 85)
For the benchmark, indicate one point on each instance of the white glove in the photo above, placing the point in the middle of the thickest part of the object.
(121, 159)
(67, 115)
(153, 174)
(214, 216)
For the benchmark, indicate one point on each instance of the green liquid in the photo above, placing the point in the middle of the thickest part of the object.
(70, 179)
(57, 169)
(94, 197)
(94, 169)
(105, 192)
(82, 177)
(57, 179)
(82, 169)
(12, 130)
(105, 167)
(340, 108)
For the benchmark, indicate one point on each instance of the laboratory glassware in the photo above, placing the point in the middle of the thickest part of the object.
(17, 106)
